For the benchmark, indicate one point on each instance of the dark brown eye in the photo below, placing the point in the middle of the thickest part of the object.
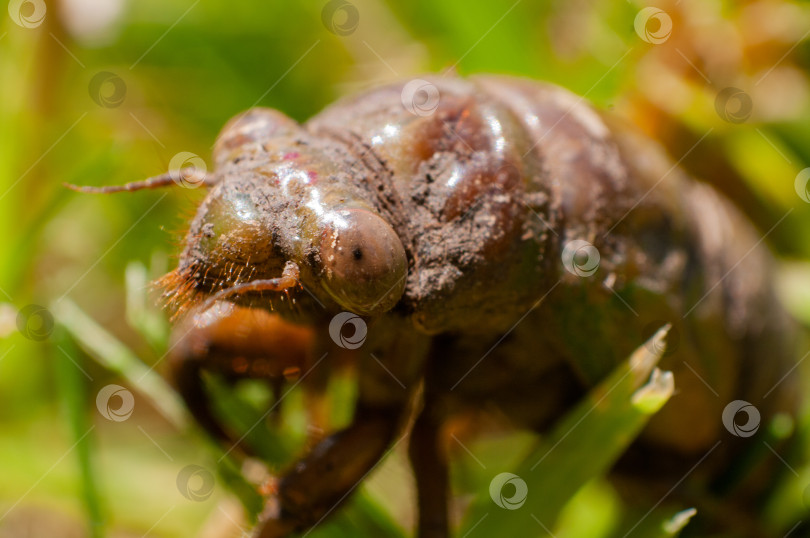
(364, 262)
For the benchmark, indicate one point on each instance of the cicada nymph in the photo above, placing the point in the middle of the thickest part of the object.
(504, 245)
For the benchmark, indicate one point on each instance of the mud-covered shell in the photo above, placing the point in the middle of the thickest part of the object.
(496, 188)
(502, 174)
(506, 245)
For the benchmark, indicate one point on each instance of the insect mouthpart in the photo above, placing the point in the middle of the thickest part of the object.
(289, 280)
(183, 289)
(232, 252)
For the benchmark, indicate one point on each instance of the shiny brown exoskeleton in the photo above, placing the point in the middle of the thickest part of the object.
(507, 246)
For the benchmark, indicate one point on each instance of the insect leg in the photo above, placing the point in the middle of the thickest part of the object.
(236, 343)
(317, 484)
(389, 367)
(429, 462)
(186, 376)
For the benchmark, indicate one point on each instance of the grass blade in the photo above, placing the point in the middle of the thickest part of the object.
(74, 394)
(583, 446)
(118, 358)
(360, 513)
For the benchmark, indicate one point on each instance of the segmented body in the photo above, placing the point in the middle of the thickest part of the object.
(498, 179)
(486, 188)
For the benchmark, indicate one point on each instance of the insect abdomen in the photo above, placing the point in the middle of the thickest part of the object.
(504, 173)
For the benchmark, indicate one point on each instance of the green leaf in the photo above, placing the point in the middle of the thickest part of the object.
(117, 357)
(583, 446)
(674, 525)
(361, 515)
(73, 391)
(148, 321)
(660, 522)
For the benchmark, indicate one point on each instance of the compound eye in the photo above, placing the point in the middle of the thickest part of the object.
(364, 262)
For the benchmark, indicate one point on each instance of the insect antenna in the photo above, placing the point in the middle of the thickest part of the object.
(186, 177)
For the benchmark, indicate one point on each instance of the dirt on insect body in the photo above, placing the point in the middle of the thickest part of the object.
(500, 245)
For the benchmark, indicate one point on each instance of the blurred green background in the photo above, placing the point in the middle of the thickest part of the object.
(105, 92)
